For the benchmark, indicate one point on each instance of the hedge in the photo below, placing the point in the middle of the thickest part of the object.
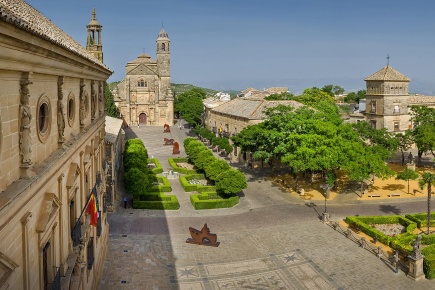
(429, 261)
(173, 163)
(421, 219)
(156, 201)
(184, 180)
(158, 169)
(165, 187)
(208, 200)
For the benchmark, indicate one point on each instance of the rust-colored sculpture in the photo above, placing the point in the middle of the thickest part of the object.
(176, 148)
(168, 141)
(167, 129)
(202, 237)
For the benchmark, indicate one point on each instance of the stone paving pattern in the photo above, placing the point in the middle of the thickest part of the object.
(270, 240)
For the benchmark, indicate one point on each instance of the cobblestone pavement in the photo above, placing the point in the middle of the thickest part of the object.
(270, 240)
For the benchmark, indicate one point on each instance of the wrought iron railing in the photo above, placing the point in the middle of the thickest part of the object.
(226, 134)
(56, 281)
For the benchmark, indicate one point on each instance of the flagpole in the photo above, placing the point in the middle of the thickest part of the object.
(87, 202)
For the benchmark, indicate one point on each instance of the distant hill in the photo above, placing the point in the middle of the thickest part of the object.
(182, 88)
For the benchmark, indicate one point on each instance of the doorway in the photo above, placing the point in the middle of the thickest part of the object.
(143, 119)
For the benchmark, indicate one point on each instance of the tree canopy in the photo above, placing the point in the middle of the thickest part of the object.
(423, 119)
(190, 105)
(111, 108)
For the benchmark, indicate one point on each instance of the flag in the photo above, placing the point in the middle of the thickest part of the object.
(91, 209)
(94, 191)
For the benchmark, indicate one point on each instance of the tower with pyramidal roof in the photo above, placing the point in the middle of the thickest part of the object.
(387, 98)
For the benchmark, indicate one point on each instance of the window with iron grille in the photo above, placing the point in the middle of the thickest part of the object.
(90, 253)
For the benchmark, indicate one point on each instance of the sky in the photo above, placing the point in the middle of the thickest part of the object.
(235, 44)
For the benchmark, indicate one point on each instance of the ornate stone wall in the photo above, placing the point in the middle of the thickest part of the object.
(51, 155)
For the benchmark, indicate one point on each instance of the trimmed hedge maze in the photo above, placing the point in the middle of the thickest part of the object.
(401, 242)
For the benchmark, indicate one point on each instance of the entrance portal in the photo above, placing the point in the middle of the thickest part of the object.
(143, 119)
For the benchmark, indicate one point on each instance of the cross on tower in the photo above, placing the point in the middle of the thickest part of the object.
(388, 60)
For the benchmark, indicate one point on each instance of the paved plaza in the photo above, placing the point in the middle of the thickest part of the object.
(270, 240)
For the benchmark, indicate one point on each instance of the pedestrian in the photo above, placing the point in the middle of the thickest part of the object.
(125, 202)
(138, 125)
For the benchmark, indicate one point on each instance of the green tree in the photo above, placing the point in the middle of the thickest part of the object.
(230, 182)
(406, 175)
(203, 158)
(427, 179)
(423, 119)
(405, 142)
(111, 108)
(280, 97)
(312, 96)
(214, 168)
(136, 182)
(190, 105)
(353, 97)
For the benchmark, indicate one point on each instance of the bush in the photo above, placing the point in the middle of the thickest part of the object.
(421, 219)
(158, 169)
(166, 187)
(173, 163)
(216, 167)
(184, 180)
(230, 182)
(156, 201)
(429, 261)
(209, 200)
(136, 182)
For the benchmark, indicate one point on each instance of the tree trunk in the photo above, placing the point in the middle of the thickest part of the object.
(408, 186)
(428, 206)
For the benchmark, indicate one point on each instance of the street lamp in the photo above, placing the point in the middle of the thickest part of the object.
(325, 214)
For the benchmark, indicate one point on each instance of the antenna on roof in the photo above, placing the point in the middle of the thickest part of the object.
(388, 59)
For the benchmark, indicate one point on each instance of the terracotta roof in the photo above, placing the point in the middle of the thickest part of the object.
(251, 108)
(143, 58)
(25, 17)
(418, 100)
(387, 74)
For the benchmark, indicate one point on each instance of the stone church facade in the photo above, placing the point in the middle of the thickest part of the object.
(144, 96)
(52, 132)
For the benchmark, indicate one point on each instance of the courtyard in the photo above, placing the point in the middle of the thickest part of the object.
(273, 239)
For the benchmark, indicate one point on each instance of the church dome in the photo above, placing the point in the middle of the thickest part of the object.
(94, 21)
(163, 34)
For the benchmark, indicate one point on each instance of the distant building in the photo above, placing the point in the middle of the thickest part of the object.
(388, 101)
(226, 119)
(144, 96)
(51, 153)
(115, 139)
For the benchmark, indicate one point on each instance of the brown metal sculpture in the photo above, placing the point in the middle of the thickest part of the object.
(168, 141)
(202, 237)
(167, 129)
(176, 148)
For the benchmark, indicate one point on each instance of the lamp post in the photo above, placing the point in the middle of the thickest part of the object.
(325, 214)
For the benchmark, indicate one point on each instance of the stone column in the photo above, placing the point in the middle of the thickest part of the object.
(416, 261)
(25, 244)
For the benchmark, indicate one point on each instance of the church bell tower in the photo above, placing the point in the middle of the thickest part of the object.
(93, 43)
(163, 62)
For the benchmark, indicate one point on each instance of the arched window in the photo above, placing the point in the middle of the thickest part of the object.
(141, 83)
(163, 47)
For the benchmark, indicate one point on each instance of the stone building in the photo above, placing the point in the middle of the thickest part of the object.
(144, 96)
(226, 119)
(115, 140)
(388, 101)
(51, 155)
